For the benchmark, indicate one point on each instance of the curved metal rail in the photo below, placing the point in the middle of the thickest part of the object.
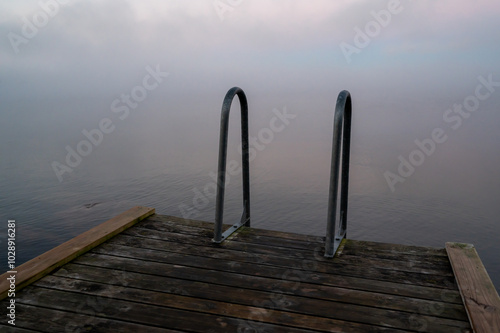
(341, 126)
(221, 171)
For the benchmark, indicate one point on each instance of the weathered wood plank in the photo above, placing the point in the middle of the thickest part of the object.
(58, 256)
(273, 246)
(339, 268)
(402, 260)
(237, 280)
(402, 263)
(223, 291)
(367, 246)
(313, 244)
(232, 253)
(14, 329)
(263, 253)
(335, 310)
(251, 311)
(352, 248)
(249, 236)
(42, 319)
(139, 313)
(479, 294)
(330, 292)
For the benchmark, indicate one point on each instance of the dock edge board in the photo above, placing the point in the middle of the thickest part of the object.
(479, 295)
(45, 263)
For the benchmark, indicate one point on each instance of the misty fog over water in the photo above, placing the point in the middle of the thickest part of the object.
(105, 106)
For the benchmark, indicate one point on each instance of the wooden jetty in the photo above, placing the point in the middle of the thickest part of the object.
(143, 272)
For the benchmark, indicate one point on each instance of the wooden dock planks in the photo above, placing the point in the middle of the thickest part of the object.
(166, 273)
(478, 292)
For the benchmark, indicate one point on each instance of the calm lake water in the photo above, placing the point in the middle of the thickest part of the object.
(163, 156)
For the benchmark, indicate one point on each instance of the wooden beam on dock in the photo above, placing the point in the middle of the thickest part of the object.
(478, 292)
(42, 265)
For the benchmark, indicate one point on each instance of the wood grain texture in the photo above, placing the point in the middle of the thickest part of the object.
(165, 273)
(478, 292)
(64, 253)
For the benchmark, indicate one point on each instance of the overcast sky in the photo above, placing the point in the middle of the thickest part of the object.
(101, 47)
(64, 63)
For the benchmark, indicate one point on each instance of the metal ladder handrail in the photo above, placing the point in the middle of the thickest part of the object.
(343, 115)
(221, 171)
